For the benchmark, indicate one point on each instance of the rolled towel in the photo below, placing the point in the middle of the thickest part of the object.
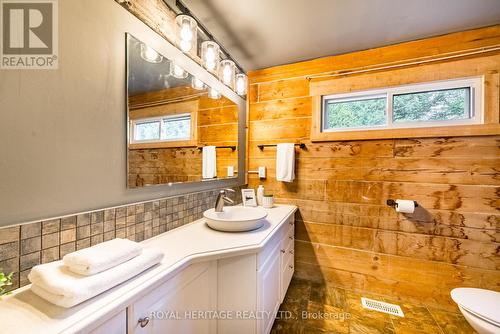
(93, 260)
(55, 283)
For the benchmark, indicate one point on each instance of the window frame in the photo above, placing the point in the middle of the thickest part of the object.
(476, 104)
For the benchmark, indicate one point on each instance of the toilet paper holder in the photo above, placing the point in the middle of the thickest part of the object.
(394, 204)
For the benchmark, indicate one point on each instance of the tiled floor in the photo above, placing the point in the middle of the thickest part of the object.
(341, 312)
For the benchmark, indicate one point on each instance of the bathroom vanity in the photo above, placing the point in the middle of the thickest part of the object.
(207, 282)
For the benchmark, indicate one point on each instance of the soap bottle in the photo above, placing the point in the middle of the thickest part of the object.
(260, 194)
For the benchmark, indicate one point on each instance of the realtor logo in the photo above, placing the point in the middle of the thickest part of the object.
(29, 34)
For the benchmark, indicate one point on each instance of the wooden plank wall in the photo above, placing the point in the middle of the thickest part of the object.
(217, 125)
(346, 235)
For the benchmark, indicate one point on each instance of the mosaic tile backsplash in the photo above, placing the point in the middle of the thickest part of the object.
(26, 245)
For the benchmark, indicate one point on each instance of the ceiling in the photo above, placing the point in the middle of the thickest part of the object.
(265, 33)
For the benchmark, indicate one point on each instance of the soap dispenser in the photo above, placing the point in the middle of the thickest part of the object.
(260, 194)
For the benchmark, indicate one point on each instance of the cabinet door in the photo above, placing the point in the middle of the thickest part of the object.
(173, 306)
(287, 259)
(268, 292)
(287, 265)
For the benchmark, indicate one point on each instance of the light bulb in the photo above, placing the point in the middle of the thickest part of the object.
(226, 74)
(210, 55)
(210, 65)
(197, 84)
(178, 72)
(186, 28)
(210, 58)
(214, 94)
(185, 46)
(186, 36)
(186, 33)
(150, 55)
(241, 85)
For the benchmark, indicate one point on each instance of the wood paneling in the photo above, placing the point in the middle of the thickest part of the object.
(346, 235)
(186, 107)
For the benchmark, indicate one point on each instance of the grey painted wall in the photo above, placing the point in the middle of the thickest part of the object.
(62, 132)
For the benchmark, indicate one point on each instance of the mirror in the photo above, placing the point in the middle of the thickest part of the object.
(179, 128)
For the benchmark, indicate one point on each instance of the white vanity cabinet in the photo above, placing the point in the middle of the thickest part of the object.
(208, 282)
(246, 289)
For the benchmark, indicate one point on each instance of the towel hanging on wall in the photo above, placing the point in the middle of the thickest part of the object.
(209, 169)
(285, 162)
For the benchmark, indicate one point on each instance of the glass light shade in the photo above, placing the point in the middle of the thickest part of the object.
(214, 94)
(197, 84)
(210, 55)
(187, 33)
(241, 84)
(150, 55)
(177, 72)
(227, 72)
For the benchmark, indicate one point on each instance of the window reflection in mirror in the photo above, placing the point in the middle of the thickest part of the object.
(172, 115)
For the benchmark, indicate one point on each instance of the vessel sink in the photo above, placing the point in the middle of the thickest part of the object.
(235, 218)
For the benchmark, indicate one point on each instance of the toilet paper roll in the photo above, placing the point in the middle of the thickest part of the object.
(405, 206)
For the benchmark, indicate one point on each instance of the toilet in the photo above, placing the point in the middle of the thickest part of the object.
(481, 308)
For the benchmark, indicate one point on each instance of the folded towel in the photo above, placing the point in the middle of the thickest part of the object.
(92, 260)
(285, 162)
(209, 162)
(58, 285)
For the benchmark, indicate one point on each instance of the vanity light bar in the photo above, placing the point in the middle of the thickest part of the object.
(185, 11)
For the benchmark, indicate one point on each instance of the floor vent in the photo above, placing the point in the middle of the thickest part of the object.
(382, 307)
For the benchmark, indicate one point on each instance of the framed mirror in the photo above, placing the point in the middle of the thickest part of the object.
(183, 125)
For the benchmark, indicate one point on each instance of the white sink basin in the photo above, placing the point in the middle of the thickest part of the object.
(235, 218)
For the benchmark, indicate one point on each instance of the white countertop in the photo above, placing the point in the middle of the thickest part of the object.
(24, 312)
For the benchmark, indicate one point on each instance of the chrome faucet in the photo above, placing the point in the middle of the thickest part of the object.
(221, 198)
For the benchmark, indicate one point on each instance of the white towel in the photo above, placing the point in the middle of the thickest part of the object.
(285, 162)
(209, 162)
(58, 285)
(92, 260)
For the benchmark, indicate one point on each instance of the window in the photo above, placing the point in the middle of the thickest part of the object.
(455, 102)
(159, 129)
(176, 127)
(147, 131)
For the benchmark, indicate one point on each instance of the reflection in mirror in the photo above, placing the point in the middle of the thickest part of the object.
(179, 129)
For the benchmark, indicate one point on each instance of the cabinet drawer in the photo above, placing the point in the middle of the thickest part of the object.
(283, 232)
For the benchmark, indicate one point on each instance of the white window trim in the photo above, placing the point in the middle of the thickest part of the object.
(476, 104)
(160, 120)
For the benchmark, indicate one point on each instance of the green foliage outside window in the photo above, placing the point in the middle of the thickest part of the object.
(352, 114)
(438, 105)
(441, 105)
